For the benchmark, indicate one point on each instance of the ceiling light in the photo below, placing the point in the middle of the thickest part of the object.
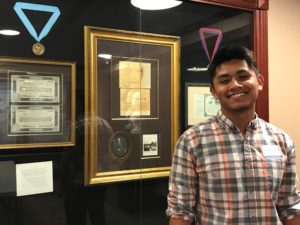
(197, 69)
(9, 32)
(155, 4)
(105, 56)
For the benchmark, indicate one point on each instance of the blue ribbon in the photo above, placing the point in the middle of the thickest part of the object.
(20, 6)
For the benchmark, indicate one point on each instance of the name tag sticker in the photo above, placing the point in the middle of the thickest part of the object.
(271, 152)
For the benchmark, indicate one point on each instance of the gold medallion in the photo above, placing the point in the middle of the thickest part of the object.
(38, 49)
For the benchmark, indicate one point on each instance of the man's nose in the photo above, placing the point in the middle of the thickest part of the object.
(235, 83)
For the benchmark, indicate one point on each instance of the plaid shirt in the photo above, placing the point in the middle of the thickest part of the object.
(220, 177)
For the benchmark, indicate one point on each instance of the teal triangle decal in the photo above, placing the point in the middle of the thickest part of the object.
(20, 6)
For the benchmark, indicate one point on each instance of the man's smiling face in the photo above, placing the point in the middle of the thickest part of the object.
(236, 86)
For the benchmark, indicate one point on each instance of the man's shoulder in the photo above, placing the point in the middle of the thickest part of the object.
(271, 128)
(202, 128)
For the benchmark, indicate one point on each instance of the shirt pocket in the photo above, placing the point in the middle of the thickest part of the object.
(275, 168)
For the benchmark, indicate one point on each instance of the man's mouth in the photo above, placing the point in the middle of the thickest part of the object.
(237, 94)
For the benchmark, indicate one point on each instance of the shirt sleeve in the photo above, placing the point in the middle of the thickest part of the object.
(182, 182)
(288, 204)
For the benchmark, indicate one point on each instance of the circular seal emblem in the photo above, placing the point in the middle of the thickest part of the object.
(120, 145)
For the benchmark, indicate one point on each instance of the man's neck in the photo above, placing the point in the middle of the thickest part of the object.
(241, 119)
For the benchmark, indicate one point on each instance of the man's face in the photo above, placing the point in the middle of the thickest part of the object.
(236, 86)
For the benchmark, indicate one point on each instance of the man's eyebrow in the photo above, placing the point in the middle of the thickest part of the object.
(222, 75)
(242, 71)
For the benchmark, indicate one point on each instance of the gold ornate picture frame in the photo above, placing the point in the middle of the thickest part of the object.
(131, 104)
(37, 103)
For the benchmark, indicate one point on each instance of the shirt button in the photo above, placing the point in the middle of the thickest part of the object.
(250, 194)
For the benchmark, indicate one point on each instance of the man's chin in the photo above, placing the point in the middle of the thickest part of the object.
(241, 109)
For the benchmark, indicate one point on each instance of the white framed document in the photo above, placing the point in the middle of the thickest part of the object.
(200, 103)
(28, 87)
(34, 178)
(33, 119)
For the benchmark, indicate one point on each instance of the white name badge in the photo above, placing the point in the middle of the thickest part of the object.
(272, 152)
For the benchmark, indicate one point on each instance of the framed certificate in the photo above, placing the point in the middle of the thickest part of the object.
(131, 97)
(37, 103)
(200, 103)
(34, 119)
(34, 88)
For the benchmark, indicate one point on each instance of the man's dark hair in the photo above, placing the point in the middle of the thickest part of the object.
(230, 52)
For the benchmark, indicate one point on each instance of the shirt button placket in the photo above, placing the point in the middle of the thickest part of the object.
(250, 181)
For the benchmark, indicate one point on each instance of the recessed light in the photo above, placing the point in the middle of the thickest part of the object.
(105, 56)
(155, 4)
(197, 69)
(9, 32)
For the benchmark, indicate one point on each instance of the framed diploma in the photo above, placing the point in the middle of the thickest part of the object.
(37, 103)
(200, 103)
(131, 103)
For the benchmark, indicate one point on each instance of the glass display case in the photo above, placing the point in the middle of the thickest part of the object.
(94, 96)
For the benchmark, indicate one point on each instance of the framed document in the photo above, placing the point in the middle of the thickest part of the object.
(34, 119)
(200, 103)
(37, 103)
(131, 97)
(134, 85)
(34, 88)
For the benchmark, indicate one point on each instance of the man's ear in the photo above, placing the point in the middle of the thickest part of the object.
(212, 91)
(260, 80)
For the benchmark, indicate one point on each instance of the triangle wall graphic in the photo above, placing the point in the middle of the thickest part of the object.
(20, 6)
(203, 30)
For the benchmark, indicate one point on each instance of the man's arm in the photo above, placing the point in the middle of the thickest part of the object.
(177, 221)
(294, 221)
(183, 182)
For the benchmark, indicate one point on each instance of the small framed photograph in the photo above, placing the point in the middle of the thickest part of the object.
(200, 103)
(150, 146)
(37, 103)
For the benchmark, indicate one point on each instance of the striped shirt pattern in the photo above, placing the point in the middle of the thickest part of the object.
(220, 177)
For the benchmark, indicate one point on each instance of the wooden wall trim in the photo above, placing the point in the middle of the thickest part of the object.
(244, 4)
(263, 4)
(261, 56)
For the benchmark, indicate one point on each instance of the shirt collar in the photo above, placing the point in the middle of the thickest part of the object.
(228, 123)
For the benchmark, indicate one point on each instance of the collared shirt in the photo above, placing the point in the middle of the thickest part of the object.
(220, 177)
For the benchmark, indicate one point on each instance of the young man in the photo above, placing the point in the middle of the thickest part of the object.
(234, 168)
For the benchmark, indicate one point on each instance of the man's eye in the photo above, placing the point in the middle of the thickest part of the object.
(244, 76)
(224, 81)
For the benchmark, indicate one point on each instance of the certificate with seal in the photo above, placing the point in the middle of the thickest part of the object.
(34, 88)
(32, 119)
